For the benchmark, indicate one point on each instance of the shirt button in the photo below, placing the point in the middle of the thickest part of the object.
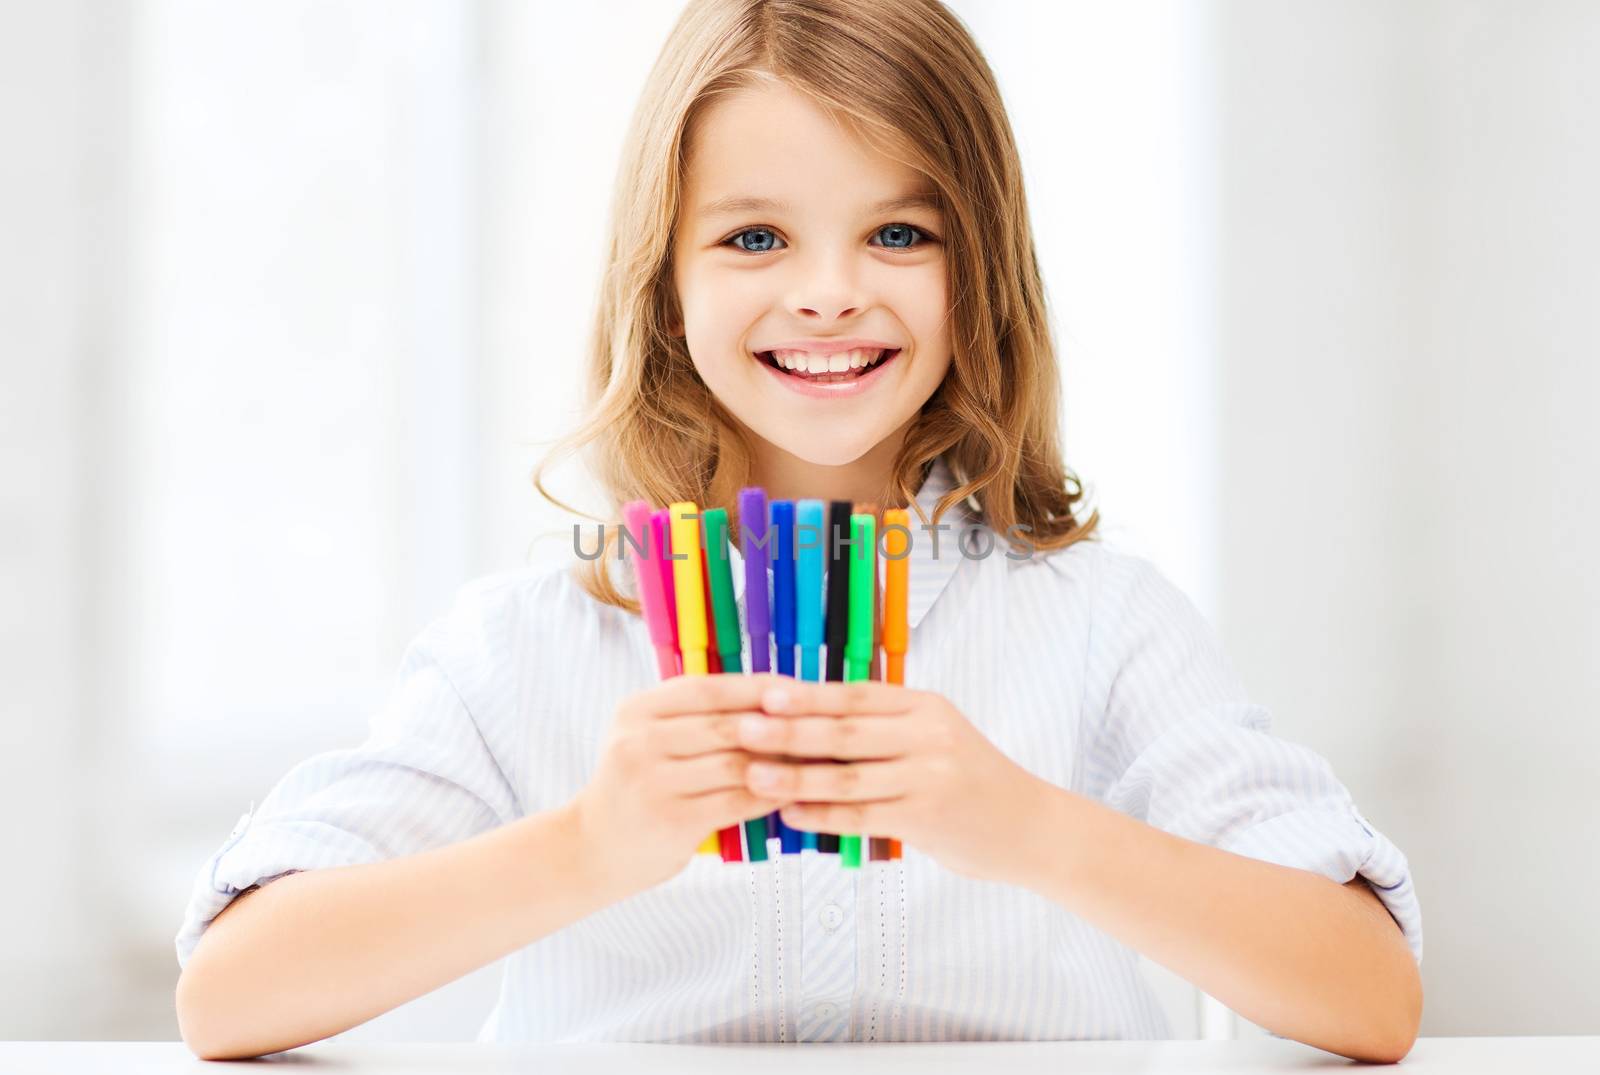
(825, 1010)
(832, 915)
(244, 819)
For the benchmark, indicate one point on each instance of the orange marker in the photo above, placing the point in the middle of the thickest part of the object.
(877, 846)
(896, 595)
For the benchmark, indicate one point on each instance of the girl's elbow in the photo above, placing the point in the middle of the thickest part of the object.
(1404, 1022)
(193, 1027)
(1411, 1014)
(198, 1025)
(1383, 1024)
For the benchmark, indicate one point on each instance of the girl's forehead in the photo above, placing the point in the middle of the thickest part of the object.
(775, 127)
(774, 144)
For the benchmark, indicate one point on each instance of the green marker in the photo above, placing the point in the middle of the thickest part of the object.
(724, 609)
(858, 647)
(725, 615)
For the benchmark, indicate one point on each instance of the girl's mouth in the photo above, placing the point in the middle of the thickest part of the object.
(819, 370)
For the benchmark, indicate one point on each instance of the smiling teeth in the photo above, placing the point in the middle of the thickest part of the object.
(838, 362)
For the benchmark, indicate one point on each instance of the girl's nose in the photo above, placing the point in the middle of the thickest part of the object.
(827, 311)
(827, 290)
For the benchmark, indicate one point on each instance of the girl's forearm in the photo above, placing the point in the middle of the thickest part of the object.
(315, 953)
(1290, 950)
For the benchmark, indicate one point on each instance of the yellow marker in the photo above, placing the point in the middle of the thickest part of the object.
(688, 586)
(688, 589)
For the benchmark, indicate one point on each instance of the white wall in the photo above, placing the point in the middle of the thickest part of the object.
(1408, 343)
(57, 230)
(560, 83)
(239, 364)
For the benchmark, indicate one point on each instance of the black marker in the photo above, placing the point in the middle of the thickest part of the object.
(838, 613)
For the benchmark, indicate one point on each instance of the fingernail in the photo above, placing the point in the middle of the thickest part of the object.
(765, 776)
(752, 727)
(776, 698)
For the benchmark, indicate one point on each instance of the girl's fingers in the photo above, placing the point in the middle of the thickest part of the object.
(723, 808)
(878, 818)
(690, 695)
(830, 782)
(781, 694)
(844, 738)
(718, 771)
(699, 733)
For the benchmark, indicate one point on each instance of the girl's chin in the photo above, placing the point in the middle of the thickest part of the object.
(821, 449)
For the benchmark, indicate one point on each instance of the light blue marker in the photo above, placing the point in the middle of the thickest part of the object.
(809, 545)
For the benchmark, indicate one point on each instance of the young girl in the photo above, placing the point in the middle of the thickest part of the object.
(1075, 770)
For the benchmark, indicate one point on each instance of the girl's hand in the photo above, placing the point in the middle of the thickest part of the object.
(910, 766)
(670, 774)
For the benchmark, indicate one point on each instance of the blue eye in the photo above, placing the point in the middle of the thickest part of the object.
(896, 237)
(902, 235)
(761, 248)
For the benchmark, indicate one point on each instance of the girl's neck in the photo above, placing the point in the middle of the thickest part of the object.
(788, 477)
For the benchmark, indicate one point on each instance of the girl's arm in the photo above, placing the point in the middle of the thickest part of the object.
(315, 953)
(1290, 950)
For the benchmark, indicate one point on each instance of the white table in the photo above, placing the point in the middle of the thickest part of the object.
(1261, 1056)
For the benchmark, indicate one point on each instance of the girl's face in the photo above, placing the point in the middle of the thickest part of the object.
(799, 245)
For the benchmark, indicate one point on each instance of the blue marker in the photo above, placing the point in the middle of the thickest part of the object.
(791, 840)
(809, 544)
(783, 584)
(809, 540)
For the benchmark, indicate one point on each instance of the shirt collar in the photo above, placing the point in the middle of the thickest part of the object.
(931, 569)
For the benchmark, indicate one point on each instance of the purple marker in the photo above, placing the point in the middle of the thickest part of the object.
(754, 541)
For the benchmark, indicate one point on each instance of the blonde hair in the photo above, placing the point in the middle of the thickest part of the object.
(907, 76)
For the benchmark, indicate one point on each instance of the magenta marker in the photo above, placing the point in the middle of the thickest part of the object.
(647, 574)
(661, 535)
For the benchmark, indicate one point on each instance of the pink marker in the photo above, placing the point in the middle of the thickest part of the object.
(647, 573)
(661, 534)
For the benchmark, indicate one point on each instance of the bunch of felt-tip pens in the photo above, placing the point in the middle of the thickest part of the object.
(825, 601)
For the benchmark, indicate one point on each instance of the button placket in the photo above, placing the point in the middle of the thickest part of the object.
(828, 942)
(831, 916)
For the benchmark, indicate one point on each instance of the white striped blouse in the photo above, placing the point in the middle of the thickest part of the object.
(1087, 666)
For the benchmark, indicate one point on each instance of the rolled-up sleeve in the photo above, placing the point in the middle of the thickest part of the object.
(425, 776)
(1180, 746)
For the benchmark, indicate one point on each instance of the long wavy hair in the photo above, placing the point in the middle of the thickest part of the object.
(906, 76)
